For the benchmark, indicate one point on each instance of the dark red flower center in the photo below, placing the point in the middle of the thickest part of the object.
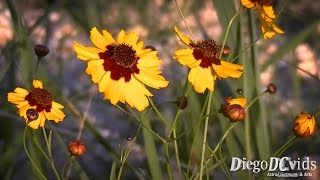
(120, 60)
(263, 2)
(206, 51)
(40, 98)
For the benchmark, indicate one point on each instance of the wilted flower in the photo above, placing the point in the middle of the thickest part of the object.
(234, 109)
(122, 67)
(203, 59)
(39, 100)
(304, 125)
(76, 147)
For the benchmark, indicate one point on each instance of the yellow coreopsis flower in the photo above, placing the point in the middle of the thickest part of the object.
(304, 125)
(122, 67)
(36, 105)
(206, 67)
(266, 16)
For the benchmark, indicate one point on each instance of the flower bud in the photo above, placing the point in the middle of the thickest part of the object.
(182, 102)
(41, 50)
(239, 91)
(271, 88)
(233, 109)
(304, 125)
(226, 50)
(32, 114)
(76, 147)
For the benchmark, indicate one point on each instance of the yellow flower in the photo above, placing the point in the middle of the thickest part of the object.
(122, 67)
(266, 16)
(206, 67)
(304, 125)
(36, 105)
(234, 109)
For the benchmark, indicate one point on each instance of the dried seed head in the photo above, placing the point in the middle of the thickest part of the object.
(41, 50)
(76, 147)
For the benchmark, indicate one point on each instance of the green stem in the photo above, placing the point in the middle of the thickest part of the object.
(27, 153)
(173, 125)
(164, 120)
(205, 134)
(65, 165)
(284, 147)
(50, 155)
(168, 166)
(176, 150)
(183, 19)
(229, 128)
(126, 154)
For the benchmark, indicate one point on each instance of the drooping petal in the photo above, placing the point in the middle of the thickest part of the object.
(268, 10)
(151, 79)
(185, 57)
(227, 69)
(201, 79)
(86, 53)
(183, 38)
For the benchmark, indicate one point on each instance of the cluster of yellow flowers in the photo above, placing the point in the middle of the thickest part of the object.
(122, 68)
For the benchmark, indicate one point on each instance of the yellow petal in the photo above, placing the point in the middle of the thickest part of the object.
(56, 105)
(269, 11)
(105, 81)
(151, 79)
(149, 59)
(185, 57)
(120, 38)
(23, 110)
(98, 39)
(131, 38)
(108, 37)
(135, 94)
(37, 84)
(183, 38)
(113, 92)
(86, 53)
(241, 101)
(201, 79)
(247, 4)
(96, 70)
(227, 69)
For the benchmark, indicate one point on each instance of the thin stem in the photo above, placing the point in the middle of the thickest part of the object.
(173, 125)
(27, 153)
(284, 147)
(65, 165)
(164, 120)
(227, 32)
(229, 128)
(127, 153)
(149, 129)
(205, 134)
(168, 166)
(84, 117)
(176, 150)
(183, 19)
(50, 155)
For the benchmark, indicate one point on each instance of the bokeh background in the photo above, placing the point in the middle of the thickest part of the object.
(291, 61)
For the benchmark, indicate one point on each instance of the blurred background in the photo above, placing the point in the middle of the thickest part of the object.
(291, 61)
